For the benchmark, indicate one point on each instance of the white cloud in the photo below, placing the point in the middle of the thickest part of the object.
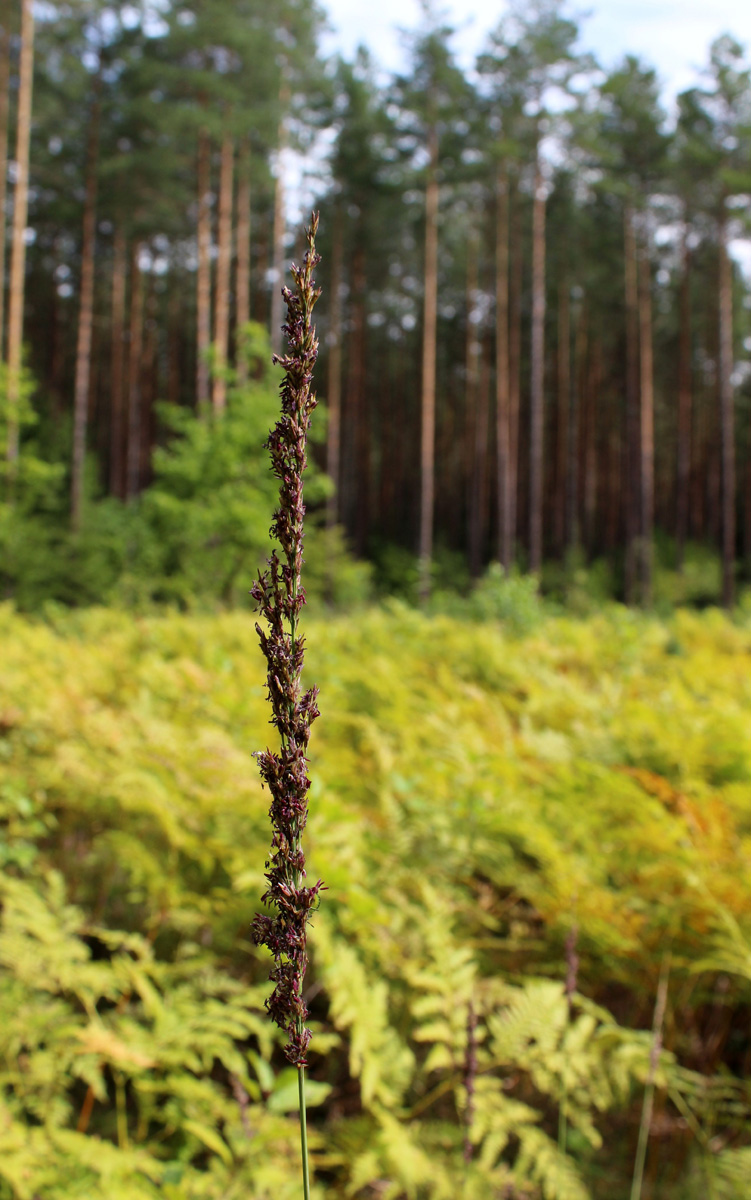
(671, 35)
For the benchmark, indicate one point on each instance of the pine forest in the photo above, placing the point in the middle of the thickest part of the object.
(534, 333)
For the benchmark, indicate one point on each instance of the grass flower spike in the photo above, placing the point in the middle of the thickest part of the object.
(280, 597)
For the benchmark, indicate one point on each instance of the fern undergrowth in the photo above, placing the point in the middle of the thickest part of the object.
(466, 785)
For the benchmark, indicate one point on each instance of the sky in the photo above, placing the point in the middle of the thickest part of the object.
(671, 35)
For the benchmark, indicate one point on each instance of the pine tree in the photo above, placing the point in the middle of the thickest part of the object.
(633, 157)
(18, 246)
(530, 54)
(86, 308)
(432, 97)
(4, 105)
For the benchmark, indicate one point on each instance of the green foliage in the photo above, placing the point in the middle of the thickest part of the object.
(511, 599)
(204, 520)
(476, 792)
(195, 537)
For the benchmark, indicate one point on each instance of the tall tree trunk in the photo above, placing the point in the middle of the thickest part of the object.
(278, 255)
(148, 383)
(362, 456)
(537, 382)
(683, 464)
(747, 504)
(632, 456)
(117, 391)
(223, 269)
(427, 405)
(4, 97)
(334, 426)
(593, 377)
(727, 416)
(86, 311)
(564, 407)
(646, 421)
(203, 275)
(472, 380)
(173, 342)
(614, 485)
(18, 246)
(515, 356)
(133, 461)
(697, 496)
(242, 277)
(574, 449)
(55, 370)
(355, 479)
(502, 415)
(277, 240)
(479, 495)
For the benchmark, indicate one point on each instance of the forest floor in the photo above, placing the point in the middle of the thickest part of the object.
(476, 797)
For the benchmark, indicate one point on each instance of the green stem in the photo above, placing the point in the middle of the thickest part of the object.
(562, 1134)
(641, 1149)
(122, 1119)
(649, 1091)
(303, 1132)
(562, 1122)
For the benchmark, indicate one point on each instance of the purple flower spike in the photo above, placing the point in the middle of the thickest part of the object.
(280, 596)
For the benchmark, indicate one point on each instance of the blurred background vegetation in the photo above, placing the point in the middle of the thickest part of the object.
(534, 335)
(531, 802)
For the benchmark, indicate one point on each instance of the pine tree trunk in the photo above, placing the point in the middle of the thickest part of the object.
(502, 414)
(427, 406)
(149, 383)
(747, 505)
(277, 248)
(242, 277)
(537, 382)
(18, 247)
(696, 516)
(278, 254)
(564, 407)
(203, 275)
(515, 355)
(86, 311)
(333, 429)
(117, 390)
(727, 416)
(479, 495)
(4, 99)
(471, 397)
(223, 269)
(260, 307)
(362, 455)
(683, 464)
(594, 376)
(354, 478)
(646, 422)
(56, 344)
(614, 486)
(574, 447)
(133, 460)
(173, 343)
(632, 457)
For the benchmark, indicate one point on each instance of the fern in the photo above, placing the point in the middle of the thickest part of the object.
(465, 785)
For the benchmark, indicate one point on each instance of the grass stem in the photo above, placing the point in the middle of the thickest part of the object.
(303, 1132)
(649, 1091)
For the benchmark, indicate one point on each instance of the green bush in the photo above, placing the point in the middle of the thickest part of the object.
(195, 537)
